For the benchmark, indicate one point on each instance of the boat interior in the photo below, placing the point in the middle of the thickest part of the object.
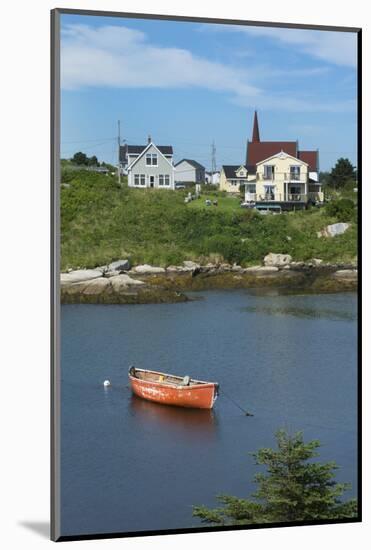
(170, 379)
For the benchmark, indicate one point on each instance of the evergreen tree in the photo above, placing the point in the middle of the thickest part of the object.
(80, 158)
(342, 172)
(93, 161)
(293, 489)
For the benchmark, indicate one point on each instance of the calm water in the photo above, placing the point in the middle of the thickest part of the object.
(130, 465)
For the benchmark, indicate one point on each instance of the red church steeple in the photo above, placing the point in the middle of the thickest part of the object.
(255, 131)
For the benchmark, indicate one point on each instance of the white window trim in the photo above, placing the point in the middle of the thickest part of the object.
(152, 156)
(145, 151)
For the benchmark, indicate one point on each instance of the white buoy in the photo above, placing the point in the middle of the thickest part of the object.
(106, 383)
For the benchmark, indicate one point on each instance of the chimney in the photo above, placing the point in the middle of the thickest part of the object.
(149, 138)
(255, 131)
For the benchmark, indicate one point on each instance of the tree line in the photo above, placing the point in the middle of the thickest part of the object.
(81, 159)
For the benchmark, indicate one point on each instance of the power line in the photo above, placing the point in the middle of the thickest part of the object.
(87, 140)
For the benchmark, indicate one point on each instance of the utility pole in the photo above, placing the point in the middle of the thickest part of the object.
(213, 161)
(118, 153)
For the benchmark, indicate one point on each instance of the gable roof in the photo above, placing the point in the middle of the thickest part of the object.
(192, 162)
(138, 149)
(151, 144)
(311, 158)
(260, 150)
(231, 169)
(282, 154)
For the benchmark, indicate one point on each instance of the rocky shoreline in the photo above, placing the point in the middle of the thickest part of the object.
(121, 283)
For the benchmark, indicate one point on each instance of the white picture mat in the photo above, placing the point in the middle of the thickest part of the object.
(25, 271)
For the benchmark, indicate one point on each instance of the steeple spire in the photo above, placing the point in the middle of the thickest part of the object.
(255, 131)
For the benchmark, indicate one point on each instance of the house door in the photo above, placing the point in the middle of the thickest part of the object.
(151, 181)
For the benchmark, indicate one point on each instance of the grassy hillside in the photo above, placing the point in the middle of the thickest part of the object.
(101, 222)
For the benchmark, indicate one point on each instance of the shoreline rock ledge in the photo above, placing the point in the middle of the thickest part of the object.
(93, 286)
(277, 260)
(116, 284)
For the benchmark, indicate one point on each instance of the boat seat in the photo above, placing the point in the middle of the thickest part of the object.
(186, 381)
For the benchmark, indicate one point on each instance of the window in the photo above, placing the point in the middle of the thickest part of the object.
(269, 192)
(251, 188)
(268, 172)
(139, 179)
(151, 159)
(163, 179)
(295, 172)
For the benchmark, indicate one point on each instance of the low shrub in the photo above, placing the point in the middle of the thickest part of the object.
(342, 209)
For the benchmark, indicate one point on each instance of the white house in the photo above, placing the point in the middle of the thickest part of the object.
(189, 171)
(148, 165)
(212, 178)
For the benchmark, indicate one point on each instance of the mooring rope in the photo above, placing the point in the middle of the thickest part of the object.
(235, 403)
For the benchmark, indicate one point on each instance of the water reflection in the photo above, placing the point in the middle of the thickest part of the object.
(188, 423)
(303, 312)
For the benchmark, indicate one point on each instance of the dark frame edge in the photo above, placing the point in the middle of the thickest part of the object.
(359, 295)
(197, 19)
(55, 529)
(208, 529)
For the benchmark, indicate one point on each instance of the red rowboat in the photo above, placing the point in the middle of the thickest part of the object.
(169, 389)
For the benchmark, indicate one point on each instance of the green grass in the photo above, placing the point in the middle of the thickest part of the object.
(225, 204)
(101, 222)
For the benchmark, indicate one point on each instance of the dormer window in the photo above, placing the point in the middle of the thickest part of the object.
(151, 159)
(241, 172)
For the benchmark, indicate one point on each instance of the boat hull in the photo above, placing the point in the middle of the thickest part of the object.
(197, 396)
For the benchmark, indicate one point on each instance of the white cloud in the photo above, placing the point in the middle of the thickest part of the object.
(121, 57)
(335, 47)
(117, 56)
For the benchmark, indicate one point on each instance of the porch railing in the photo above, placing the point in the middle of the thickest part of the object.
(283, 197)
(283, 176)
(250, 197)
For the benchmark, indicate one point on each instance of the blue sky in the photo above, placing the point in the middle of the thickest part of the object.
(188, 84)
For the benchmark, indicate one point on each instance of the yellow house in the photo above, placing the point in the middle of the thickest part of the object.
(283, 178)
(232, 177)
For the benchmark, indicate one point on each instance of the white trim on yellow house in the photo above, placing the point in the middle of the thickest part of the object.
(233, 184)
(282, 178)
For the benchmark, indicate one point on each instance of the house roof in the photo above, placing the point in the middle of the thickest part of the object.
(192, 162)
(148, 146)
(260, 150)
(311, 158)
(230, 169)
(282, 155)
(257, 150)
(138, 149)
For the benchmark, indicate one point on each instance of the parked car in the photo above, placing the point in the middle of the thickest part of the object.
(208, 202)
(180, 186)
(247, 204)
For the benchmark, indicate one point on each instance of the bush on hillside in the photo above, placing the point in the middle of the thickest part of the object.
(342, 209)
